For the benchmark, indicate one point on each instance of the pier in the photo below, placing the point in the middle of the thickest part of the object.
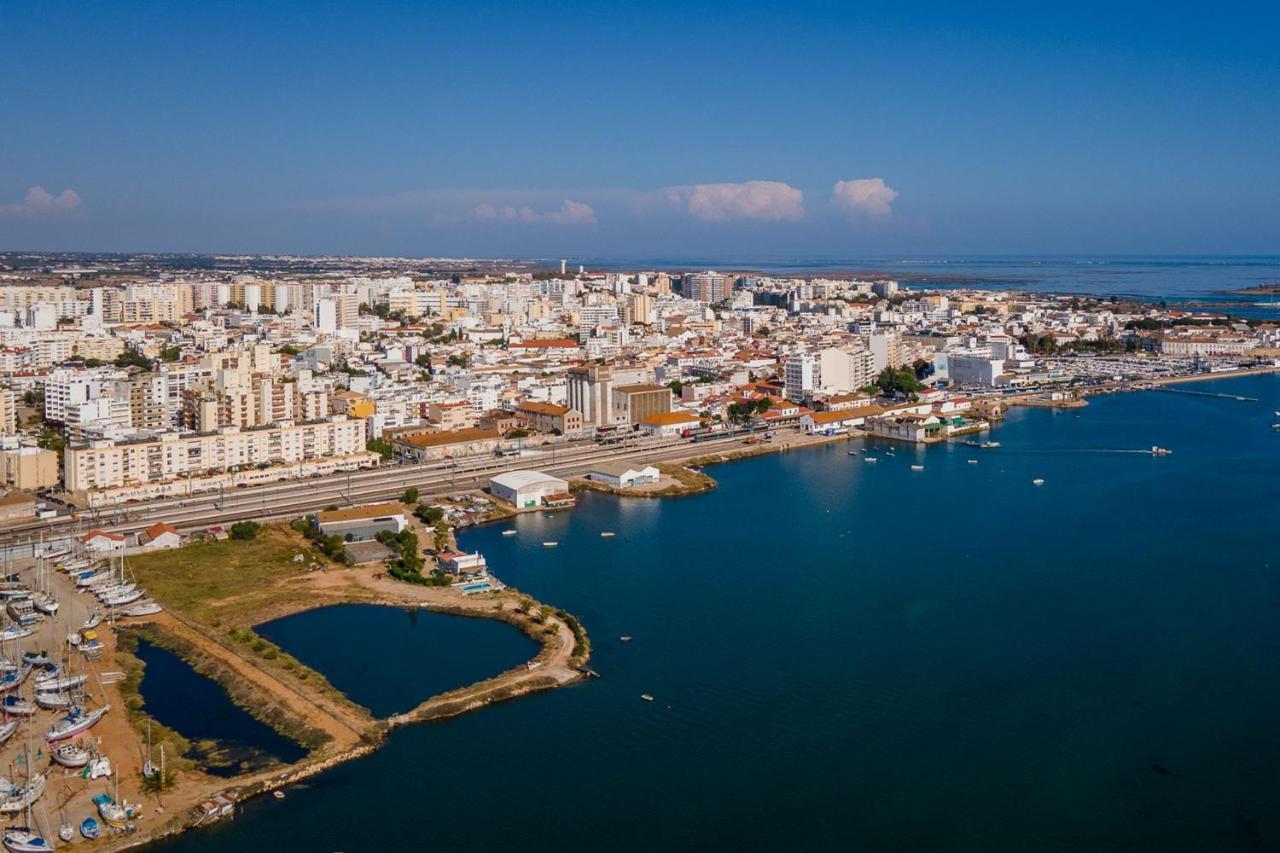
(1237, 397)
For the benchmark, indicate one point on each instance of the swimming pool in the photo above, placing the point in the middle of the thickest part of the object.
(478, 586)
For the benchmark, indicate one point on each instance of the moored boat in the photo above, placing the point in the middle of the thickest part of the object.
(89, 828)
(16, 706)
(7, 728)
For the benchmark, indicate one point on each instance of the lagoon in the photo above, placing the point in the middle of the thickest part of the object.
(177, 696)
(859, 656)
(390, 659)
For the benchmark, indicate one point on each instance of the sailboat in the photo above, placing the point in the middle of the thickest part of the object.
(44, 600)
(16, 706)
(148, 766)
(24, 795)
(13, 680)
(7, 728)
(75, 722)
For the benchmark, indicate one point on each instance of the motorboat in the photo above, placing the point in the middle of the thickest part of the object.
(71, 755)
(1037, 482)
(917, 467)
(90, 829)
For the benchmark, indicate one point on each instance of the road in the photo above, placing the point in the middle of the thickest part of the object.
(292, 498)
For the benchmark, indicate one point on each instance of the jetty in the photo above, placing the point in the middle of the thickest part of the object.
(1238, 397)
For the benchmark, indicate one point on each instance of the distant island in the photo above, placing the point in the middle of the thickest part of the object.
(1272, 289)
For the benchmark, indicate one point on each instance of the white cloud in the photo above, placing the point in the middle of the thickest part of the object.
(771, 201)
(39, 202)
(865, 195)
(452, 206)
(570, 213)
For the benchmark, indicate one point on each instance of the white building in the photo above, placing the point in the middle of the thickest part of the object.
(620, 475)
(526, 489)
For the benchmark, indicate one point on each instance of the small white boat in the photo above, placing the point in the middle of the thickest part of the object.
(550, 544)
(7, 728)
(510, 532)
(626, 638)
(77, 722)
(646, 697)
(24, 795)
(870, 459)
(607, 534)
(124, 598)
(45, 602)
(917, 467)
(141, 608)
(10, 633)
(1037, 482)
(278, 794)
(52, 701)
(94, 620)
(71, 755)
(64, 682)
(24, 839)
(973, 461)
(66, 832)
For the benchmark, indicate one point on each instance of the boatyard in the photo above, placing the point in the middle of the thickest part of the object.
(80, 763)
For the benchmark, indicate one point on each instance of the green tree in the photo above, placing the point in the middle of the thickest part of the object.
(898, 380)
(244, 531)
(171, 353)
(441, 539)
(380, 447)
(410, 496)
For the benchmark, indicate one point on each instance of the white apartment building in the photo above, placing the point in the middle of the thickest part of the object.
(801, 375)
(109, 464)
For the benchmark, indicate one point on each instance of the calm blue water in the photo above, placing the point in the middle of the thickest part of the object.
(1190, 279)
(178, 697)
(853, 656)
(390, 659)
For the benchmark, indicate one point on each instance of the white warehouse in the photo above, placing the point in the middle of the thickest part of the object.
(526, 489)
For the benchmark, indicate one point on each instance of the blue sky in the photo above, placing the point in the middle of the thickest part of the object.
(655, 129)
